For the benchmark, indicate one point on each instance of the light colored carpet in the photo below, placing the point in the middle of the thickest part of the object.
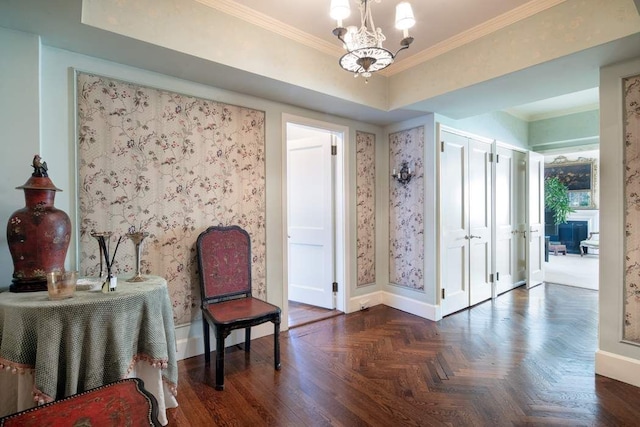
(573, 270)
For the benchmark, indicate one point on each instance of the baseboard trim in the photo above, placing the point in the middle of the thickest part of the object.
(190, 343)
(366, 301)
(418, 308)
(618, 367)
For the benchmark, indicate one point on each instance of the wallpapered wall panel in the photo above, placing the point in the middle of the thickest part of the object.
(406, 211)
(171, 165)
(632, 208)
(365, 208)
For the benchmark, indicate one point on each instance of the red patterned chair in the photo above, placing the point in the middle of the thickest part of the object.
(122, 403)
(224, 262)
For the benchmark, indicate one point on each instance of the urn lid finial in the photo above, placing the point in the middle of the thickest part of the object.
(39, 167)
(39, 178)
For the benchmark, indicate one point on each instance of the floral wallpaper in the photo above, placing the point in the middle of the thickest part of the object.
(632, 208)
(170, 165)
(366, 205)
(406, 207)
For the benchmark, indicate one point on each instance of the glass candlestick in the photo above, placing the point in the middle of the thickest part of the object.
(97, 235)
(137, 238)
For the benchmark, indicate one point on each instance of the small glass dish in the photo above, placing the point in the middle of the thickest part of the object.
(61, 284)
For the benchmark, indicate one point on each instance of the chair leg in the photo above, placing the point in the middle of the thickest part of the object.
(205, 335)
(247, 339)
(276, 344)
(220, 336)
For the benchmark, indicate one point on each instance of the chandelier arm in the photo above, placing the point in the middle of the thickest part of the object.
(399, 50)
(339, 32)
(404, 44)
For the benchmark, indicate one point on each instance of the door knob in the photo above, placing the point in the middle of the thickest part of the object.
(475, 237)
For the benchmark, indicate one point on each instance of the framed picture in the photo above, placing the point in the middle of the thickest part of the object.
(579, 177)
(580, 199)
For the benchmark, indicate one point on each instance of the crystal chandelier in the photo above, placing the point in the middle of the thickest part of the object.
(365, 53)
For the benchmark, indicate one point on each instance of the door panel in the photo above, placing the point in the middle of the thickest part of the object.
(454, 221)
(310, 220)
(535, 219)
(480, 221)
(506, 231)
(520, 213)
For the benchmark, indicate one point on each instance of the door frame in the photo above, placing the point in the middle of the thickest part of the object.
(342, 241)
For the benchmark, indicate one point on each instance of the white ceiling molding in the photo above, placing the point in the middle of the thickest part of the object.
(565, 112)
(475, 33)
(268, 23)
(254, 17)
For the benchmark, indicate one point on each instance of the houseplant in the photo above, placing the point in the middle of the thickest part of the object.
(556, 199)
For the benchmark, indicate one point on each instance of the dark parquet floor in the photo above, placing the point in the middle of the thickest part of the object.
(526, 358)
(302, 314)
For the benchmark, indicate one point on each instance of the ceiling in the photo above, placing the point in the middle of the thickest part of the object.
(438, 22)
(554, 88)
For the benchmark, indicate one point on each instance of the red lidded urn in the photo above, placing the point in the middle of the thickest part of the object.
(38, 234)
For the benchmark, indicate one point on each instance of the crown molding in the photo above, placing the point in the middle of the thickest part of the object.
(268, 23)
(495, 24)
(254, 17)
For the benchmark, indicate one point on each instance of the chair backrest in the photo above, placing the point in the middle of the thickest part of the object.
(224, 262)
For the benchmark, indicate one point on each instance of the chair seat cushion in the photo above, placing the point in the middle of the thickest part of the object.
(238, 309)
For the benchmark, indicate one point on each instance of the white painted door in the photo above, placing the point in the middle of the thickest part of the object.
(465, 221)
(310, 219)
(520, 270)
(535, 219)
(480, 221)
(454, 223)
(506, 231)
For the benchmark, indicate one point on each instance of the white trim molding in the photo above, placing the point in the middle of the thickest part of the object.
(259, 19)
(399, 302)
(367, 300)
(618, 367)
(412, 306)
(190, 343)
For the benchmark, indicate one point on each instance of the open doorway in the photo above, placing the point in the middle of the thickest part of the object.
(314, 220)
(567, 263)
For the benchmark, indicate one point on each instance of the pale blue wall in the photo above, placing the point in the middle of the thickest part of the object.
(497, 125)
(611, 347)
(38, 93)
(20, 124)
(567, 131)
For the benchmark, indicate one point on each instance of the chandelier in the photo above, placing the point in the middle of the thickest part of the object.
(365, 53)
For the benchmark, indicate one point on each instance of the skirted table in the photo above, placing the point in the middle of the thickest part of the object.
(54, 349)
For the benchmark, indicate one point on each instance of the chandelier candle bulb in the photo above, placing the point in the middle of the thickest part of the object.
(365, 53)
(404, 17)
(339, 10)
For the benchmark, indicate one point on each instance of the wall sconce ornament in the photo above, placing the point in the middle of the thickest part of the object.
(404, 175)
(38, 234)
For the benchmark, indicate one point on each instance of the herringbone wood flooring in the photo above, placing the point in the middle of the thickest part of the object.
(525, 359)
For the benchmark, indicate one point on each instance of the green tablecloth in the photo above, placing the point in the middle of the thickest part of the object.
(88, 340)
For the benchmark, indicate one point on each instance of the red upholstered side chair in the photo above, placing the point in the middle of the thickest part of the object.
(224, 261)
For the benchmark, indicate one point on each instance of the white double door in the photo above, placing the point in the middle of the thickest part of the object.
(491, 220)
(466, 221)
